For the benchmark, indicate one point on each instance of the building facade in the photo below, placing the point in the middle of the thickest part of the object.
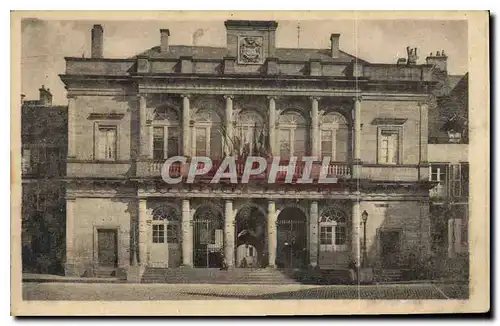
(44, 143)
(126, 116)
(449, 168)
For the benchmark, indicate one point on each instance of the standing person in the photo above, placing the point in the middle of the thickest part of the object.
(223, 264)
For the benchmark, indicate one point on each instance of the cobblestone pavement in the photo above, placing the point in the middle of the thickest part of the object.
(129, 292)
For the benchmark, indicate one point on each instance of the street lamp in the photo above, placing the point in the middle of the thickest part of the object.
(364, 218)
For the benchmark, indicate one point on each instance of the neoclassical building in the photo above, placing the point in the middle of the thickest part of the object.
(127, 116)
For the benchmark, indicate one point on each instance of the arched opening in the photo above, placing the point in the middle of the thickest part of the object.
(207, 134)
(251, 227)
(293, 134)
(292, 239)
(250, 133)
(334, 137)
(166, 133)
(166, 237)
(208, 237)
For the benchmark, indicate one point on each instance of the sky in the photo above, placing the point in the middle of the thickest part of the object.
(45, 43)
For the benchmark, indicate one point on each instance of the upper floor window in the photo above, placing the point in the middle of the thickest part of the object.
(292, 134)
(106, 143)
(334, 136)
(26, 160)
(249, 130)
(389, 145)
(166, 134)
(207, 135)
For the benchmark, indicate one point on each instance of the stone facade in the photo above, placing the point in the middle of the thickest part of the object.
(124, 114)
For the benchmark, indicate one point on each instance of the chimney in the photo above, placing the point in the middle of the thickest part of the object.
(335, 42)
(45, 96)
(97, 41)
(439, 60)
(164, 34)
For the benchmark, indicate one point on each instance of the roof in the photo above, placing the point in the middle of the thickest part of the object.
(218, 53)
(453, 80)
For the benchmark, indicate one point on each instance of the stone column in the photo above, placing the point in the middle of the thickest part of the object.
(72, 126)
(272, 233)
(315, 126)
(187, 235)
(143, 132)
(424, 131)
(356, 168)
(70, 258)
(229, 233)
(229, 123)
(143, 231)
(355, 232)
(185, 125)
(313, 233)
(272, 124)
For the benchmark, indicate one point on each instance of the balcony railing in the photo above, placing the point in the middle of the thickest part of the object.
(339, 170)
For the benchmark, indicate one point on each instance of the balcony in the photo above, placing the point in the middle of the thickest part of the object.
(408, 173)
(98, 169)
(339, 170)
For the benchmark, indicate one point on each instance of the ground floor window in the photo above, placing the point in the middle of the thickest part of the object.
(333, 230)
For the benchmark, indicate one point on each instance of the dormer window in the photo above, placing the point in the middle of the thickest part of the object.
(454, 137)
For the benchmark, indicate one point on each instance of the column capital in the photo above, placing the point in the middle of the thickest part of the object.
(228, 97)
(188, 96)
(71, 96)
(357, 97)
(315, 98)
(140, 96)
(272, 97)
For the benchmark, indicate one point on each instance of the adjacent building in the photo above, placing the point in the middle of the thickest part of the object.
(44, 150)
(126, 116)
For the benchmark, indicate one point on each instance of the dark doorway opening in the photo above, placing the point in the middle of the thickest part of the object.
(390, 248)
(292, 239)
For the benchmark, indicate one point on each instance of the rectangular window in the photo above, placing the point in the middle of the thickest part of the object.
(327, 144)
(388, 147)
(173, 141)
(438, 173)
(201, 141)
(341, 139)
(300, 135)
(26, 160)
(158, 233)
(455, 180)
(172, 233)
(340, 235)
(215, 144)
(158, 143)
(107, 143)
(285, 143)
(326, 235)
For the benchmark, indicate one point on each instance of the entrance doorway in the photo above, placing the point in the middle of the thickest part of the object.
(107, 248)
(251, 229)
(165, 242)
(292, 239)
(208, 237)
(390, 248)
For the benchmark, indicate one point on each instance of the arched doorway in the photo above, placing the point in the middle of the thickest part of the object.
(165, 237)
(208, 236)
(250, 246)
(292, 239)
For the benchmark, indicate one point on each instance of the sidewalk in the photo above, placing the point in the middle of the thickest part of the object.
(48, 278)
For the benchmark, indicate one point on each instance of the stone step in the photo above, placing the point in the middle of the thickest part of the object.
(240, 275)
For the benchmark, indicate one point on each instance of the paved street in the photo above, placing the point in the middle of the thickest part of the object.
(124, 292)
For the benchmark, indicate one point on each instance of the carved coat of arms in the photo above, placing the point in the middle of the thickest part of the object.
(251, 50)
